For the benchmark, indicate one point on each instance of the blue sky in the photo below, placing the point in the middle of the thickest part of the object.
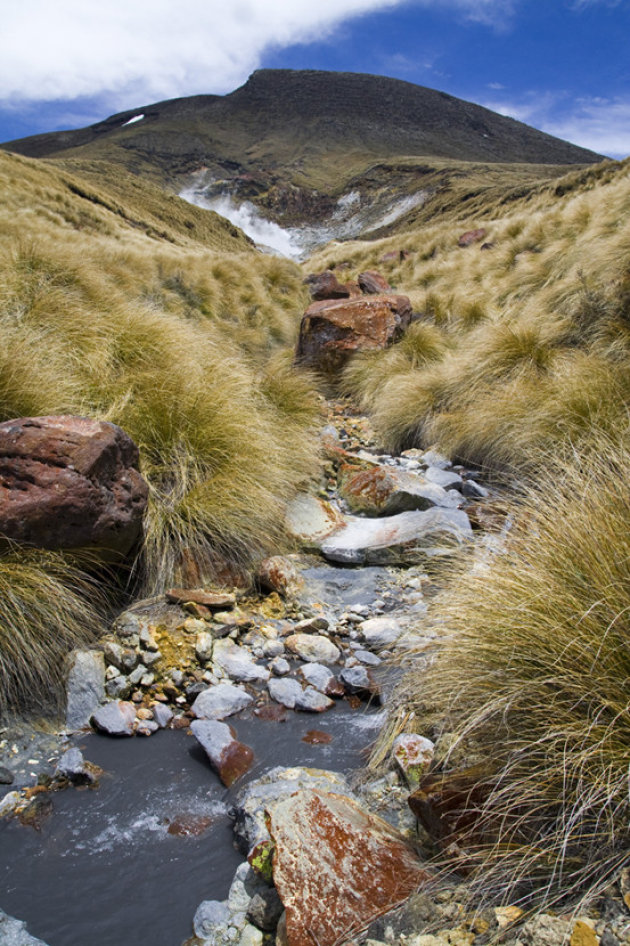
(561, 65)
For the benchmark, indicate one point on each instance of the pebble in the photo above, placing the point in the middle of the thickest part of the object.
(280, 667)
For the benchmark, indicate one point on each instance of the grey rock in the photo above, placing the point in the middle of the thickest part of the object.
(254, 798)
(209, 917)
(311, 700)
(322, 678)
(311, 626)
(151, 657)
(217, 702)
(72, 766)
(284, 690)
(367, 657)
(85, 688)
(136, 675)
(162, 715)
(14, 933)
(113, 654)
(380, 632)
(313, 647)
(9, 804)
(119, 688)
(127, 624)
(358, 680)
(265, 909)
(147, 640)
(237, 662)
(147, 679)
(404, 539)
(280, 667)
(273, 648)
(6, 776)
(115, 718)
(443, 478)
(473, 490)
(177, 676)
(434, 458)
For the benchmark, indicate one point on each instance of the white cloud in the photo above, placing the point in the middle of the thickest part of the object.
(600, 124)
(130, 51)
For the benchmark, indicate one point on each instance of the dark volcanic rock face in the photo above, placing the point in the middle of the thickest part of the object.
(68, 483)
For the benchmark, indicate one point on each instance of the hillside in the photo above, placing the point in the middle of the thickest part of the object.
(294, 142)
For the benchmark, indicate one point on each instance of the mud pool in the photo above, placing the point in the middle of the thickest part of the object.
(129, 862)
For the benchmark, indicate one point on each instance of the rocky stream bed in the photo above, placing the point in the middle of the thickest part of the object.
(212, 734)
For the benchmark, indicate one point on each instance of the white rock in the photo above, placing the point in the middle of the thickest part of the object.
(203, 646)
(311, 700)
(443, 478)
(313, 647)
(220, 701)
(310, 520)
(85, 688)
(379, 632)
(280, 667)
(116, 718)
(285, 691)
(237, 662)
(406, 538)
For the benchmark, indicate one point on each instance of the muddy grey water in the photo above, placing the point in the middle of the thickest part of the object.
(104, 870)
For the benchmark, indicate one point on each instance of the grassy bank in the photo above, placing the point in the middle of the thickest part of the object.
(175, 330)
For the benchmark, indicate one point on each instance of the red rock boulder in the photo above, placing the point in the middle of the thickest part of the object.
(333, 331)
(372, 283)
(68, 483)
(326, 286)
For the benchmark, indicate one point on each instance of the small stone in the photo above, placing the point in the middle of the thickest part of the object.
(472, 490)
(367, 657)
(443, 478)
(147, 679)
(162, 715)
(311, 700)
(10, 803)
(323, 679)
(272, 649)
(113, 653)
(280, 575)
(280, 667)
(151, 657)
(136, 675)
(73, 766)
(144, 713)
(203, 646)
(238, 662)
(358, 680)
(432, 458)
(6, 776)
(147, 727)
(119, 688)
(285, 691)
(219, 701)
(115, 718)
(311, 626)
(229, 757)
(313, 647)
(413, 755)
(111, 672)
(147, 640)
(379, 632)
(265, 909)
(210, 916)
(177, 676)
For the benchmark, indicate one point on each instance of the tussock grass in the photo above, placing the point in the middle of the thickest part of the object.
(533, 332)
(533, 677)
(48, 605)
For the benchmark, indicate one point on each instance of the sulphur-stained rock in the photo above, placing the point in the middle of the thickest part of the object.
(237, 662)
(313, 647)
(70, 482)
(333, 331)
(326, 286)
(309, 520)
(406, 538)
(279, 574)
(413, 755)
(253, 800)
(329, 850)
(217, 702)
(372, 282)
(385, 491)
(214, 600)
(472, 236)
(117, 718)
(229, 757)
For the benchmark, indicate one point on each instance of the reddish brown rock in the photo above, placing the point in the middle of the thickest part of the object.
(326, 286)
(447, 804)
(472, 236)
(70, 482)
(229, 757)
(333, 331)
(373, 283)
(329, 851)
(401, 255)
(215, 601)
(279, 574)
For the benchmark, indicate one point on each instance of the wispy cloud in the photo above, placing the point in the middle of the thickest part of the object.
(598, 123)
(130, 51)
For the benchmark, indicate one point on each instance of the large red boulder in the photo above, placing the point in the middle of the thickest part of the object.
(68, 483)
(332, 331)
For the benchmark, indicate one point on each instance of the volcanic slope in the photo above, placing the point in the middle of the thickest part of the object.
(294, 142)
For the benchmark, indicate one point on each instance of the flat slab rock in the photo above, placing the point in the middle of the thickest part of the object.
(215, 600)
(402, 539)
(329, 850)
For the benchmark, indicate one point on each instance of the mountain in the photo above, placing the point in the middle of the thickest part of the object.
(295, 142)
